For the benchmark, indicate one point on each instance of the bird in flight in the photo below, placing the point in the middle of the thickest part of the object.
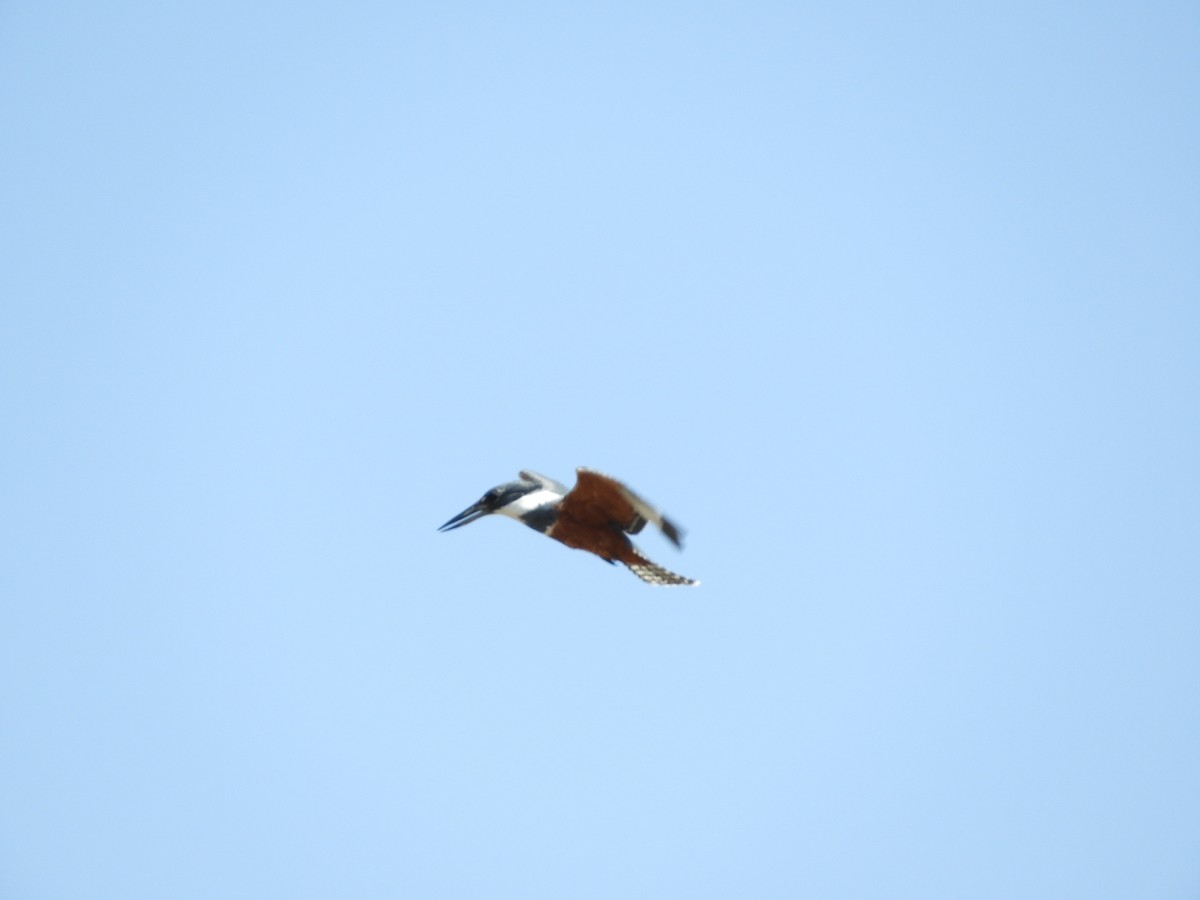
(595, 515)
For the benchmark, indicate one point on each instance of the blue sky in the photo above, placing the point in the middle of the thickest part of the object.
(895, 310)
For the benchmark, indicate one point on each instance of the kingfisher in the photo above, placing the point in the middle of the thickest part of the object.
(595, 515)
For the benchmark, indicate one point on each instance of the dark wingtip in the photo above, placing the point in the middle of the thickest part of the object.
(673, 532)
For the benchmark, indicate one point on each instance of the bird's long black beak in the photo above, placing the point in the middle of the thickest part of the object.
(466, 517)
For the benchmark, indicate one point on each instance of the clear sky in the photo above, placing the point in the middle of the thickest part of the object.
(895, 308)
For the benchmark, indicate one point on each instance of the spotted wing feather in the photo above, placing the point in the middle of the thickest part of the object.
(652, 573)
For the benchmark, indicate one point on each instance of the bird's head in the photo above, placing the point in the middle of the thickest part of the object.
(515, 498)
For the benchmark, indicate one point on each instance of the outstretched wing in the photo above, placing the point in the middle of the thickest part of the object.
(548, 483)
(601, 500)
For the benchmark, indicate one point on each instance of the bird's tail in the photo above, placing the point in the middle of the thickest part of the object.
(652, 573)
